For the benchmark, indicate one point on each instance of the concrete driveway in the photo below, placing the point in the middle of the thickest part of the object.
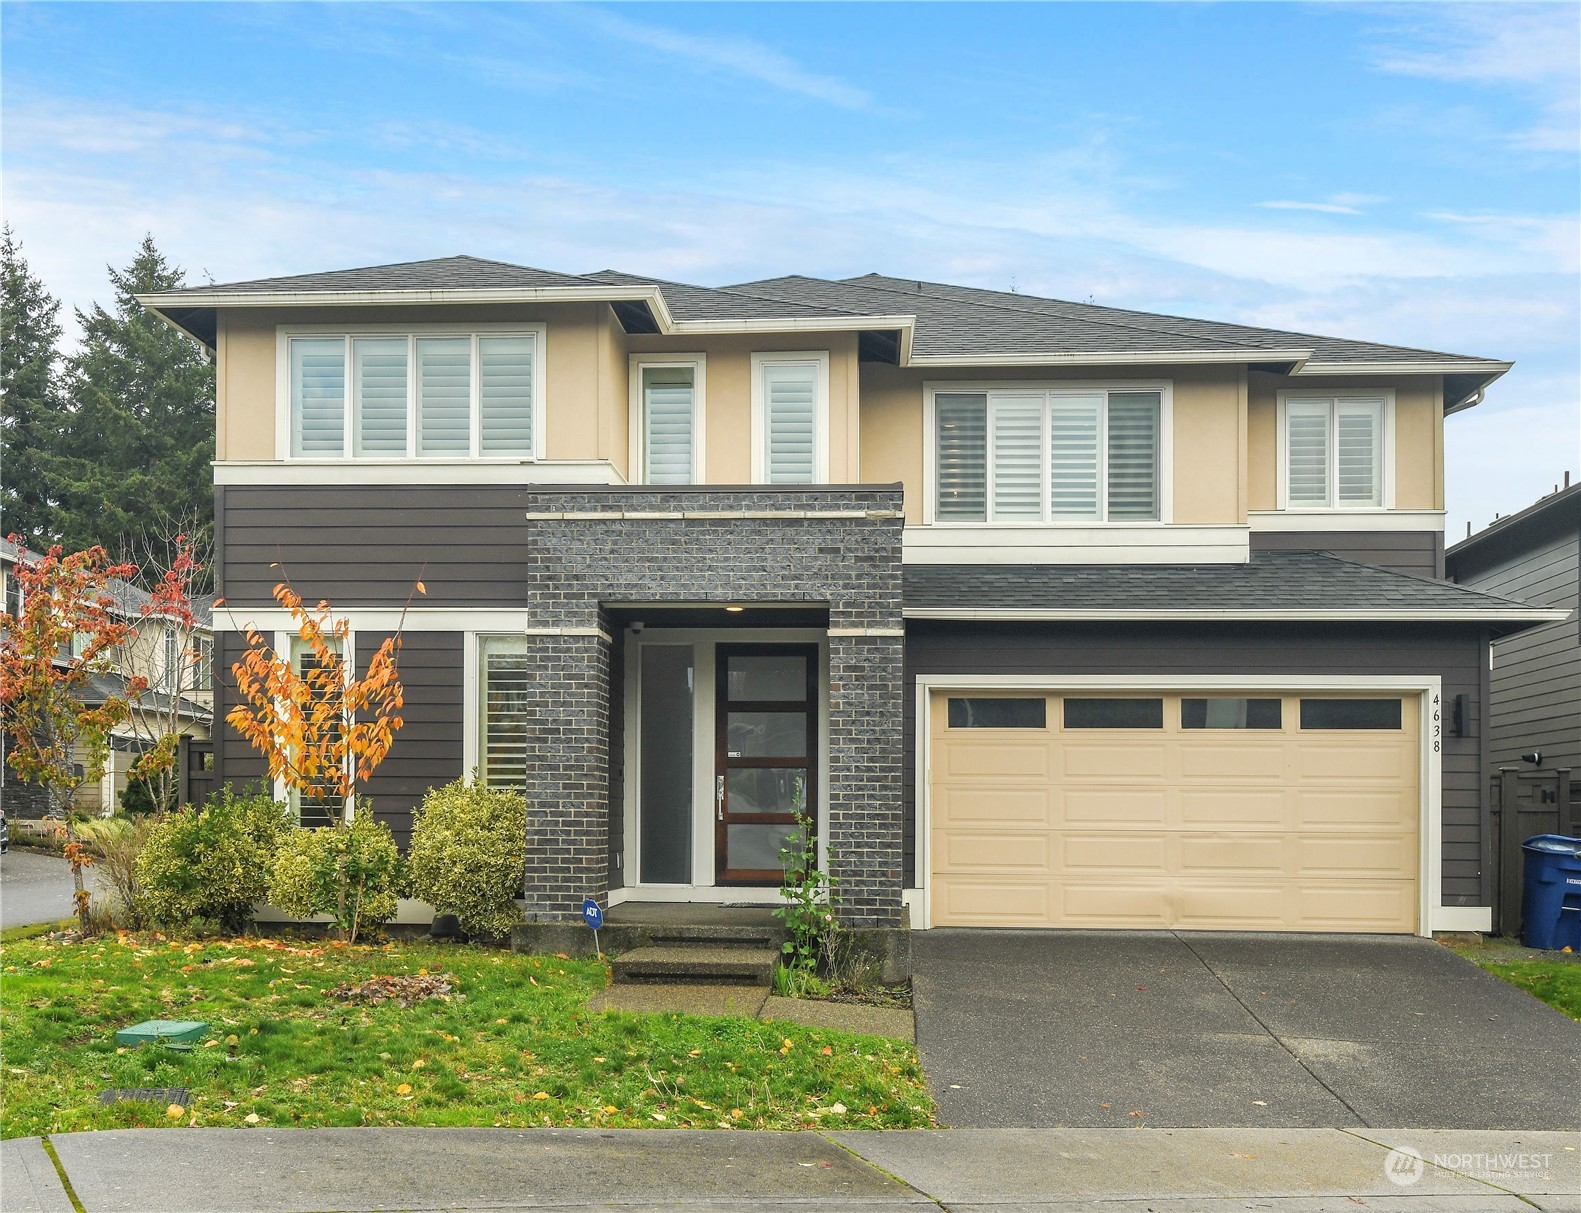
(35, 887)
(1044, 1029)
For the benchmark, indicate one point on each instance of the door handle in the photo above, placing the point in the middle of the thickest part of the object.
(719, 796)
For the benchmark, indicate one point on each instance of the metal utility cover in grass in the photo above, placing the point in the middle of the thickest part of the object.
(163, 1096)
(172, 1033)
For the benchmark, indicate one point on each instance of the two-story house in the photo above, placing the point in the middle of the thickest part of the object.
(1048, 614)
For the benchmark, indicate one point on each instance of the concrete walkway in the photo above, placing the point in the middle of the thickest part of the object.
(1089, 1029)
(990, 1171)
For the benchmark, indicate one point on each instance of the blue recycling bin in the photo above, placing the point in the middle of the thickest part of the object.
(1551, 900)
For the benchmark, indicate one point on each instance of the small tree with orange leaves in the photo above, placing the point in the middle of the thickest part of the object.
(322, 729)
(67, 630)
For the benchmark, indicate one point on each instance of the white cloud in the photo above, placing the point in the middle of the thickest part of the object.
(1326, 208)
(742, 56)
(1527, 48)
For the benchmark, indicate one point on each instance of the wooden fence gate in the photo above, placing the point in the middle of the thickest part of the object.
(1525, 802)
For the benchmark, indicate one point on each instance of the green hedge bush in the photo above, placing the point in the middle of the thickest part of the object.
(350, 872)
(469, 855)
(211, 863)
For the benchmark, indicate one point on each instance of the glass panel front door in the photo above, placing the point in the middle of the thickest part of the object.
(766, 737)
(664, 790)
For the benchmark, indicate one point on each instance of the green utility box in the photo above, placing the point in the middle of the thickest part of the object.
(172, 1033)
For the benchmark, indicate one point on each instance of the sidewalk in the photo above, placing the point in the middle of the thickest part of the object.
(999, 1170)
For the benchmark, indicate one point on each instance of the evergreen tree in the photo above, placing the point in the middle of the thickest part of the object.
(30, 422)
(139, 405)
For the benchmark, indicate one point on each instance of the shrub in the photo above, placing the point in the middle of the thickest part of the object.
(349, 872)
(117, 842)
(469, 855)
(213, 862)
(138, 798)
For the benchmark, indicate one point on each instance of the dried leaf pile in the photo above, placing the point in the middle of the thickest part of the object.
(403, 989)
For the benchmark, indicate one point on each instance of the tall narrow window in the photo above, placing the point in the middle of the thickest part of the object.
(175, 659)
(378, 378)
(444, 395)
(1334, 452)
(1052, 454)
(669, 401)
(320, 803)
(318, 397)
(505, 404)
(202, 663)
(962, 432)
(790, 393)
(503, 686)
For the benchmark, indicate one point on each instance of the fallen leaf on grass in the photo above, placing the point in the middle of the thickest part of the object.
(541, 1095)
(253, 1118)
(827, 1050)
(404, 1089)
(175, 1111)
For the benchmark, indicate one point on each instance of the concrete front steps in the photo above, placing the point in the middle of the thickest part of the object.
(720, 962)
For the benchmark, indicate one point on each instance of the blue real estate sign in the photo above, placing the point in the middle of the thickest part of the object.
(591, 914)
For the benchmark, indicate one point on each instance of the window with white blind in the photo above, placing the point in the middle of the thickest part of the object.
(1334, 451)
(667, 411)
(436, 394)
(503, 688)
(1035, 454)
(790, 418)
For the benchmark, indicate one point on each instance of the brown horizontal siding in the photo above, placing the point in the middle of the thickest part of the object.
(1417, 552)
(366, 545)
(1454, 654)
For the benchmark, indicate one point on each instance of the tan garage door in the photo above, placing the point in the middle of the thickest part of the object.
(1261, 811)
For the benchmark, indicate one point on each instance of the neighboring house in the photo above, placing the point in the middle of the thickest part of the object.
(1534, 686)
(177, 662)
(1048, 614)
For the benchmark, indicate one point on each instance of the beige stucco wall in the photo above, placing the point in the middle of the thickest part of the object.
(1209, 430)
(1418, 434)
(585, 406)
(728, 396)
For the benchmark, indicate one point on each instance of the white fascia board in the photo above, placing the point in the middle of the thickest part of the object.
(1161, 615)
(1114, 358)
(1345, 520)
(522, 472)
(386, 298)
(1424, 367)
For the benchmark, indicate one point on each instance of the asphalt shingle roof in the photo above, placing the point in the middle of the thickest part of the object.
(1271, 581)
(437, 274)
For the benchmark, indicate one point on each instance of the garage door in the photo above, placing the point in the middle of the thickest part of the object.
(1262, 811)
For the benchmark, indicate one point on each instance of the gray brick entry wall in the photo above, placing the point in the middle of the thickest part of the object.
(588, 549)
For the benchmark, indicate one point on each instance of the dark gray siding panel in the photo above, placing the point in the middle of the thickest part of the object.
(1165, 650)
(1535, 685)
(427, 752)
(366, 545)
(235, 761)
(1417, 552)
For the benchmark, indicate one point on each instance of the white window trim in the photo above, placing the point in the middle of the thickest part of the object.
(1166, 448)
(472, 689)
(1432, 914)
(820, 413)
(290, 643)
(283, 430)
(1385, 458)
(635, 471)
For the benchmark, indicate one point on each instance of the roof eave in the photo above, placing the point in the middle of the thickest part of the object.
(1297, 358)
(1532, 615)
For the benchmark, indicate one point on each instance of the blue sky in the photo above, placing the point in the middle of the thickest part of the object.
(1403, 173)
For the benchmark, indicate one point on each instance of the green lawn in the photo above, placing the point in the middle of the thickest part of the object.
(515, 1046)
(1553, 977)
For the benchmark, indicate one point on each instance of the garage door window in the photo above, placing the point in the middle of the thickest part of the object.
(1350, 713)
(1223, 712)
(1114, 713)
(999, 713)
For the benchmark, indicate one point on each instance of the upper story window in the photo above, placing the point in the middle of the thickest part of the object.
(1333, 451)
(1034, 454)
(436, 394)
(790, 418)
(667, 429)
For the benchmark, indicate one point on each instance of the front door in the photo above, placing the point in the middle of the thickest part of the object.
(766, 756)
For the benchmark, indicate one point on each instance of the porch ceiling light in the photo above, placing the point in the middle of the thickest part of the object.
(735, 609)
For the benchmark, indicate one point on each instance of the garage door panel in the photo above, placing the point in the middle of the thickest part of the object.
(1133, 760)
(1122, 853)
(1093, 806)
(987, 805)
(1262, 808)
(977, 850)
(1279, 829)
